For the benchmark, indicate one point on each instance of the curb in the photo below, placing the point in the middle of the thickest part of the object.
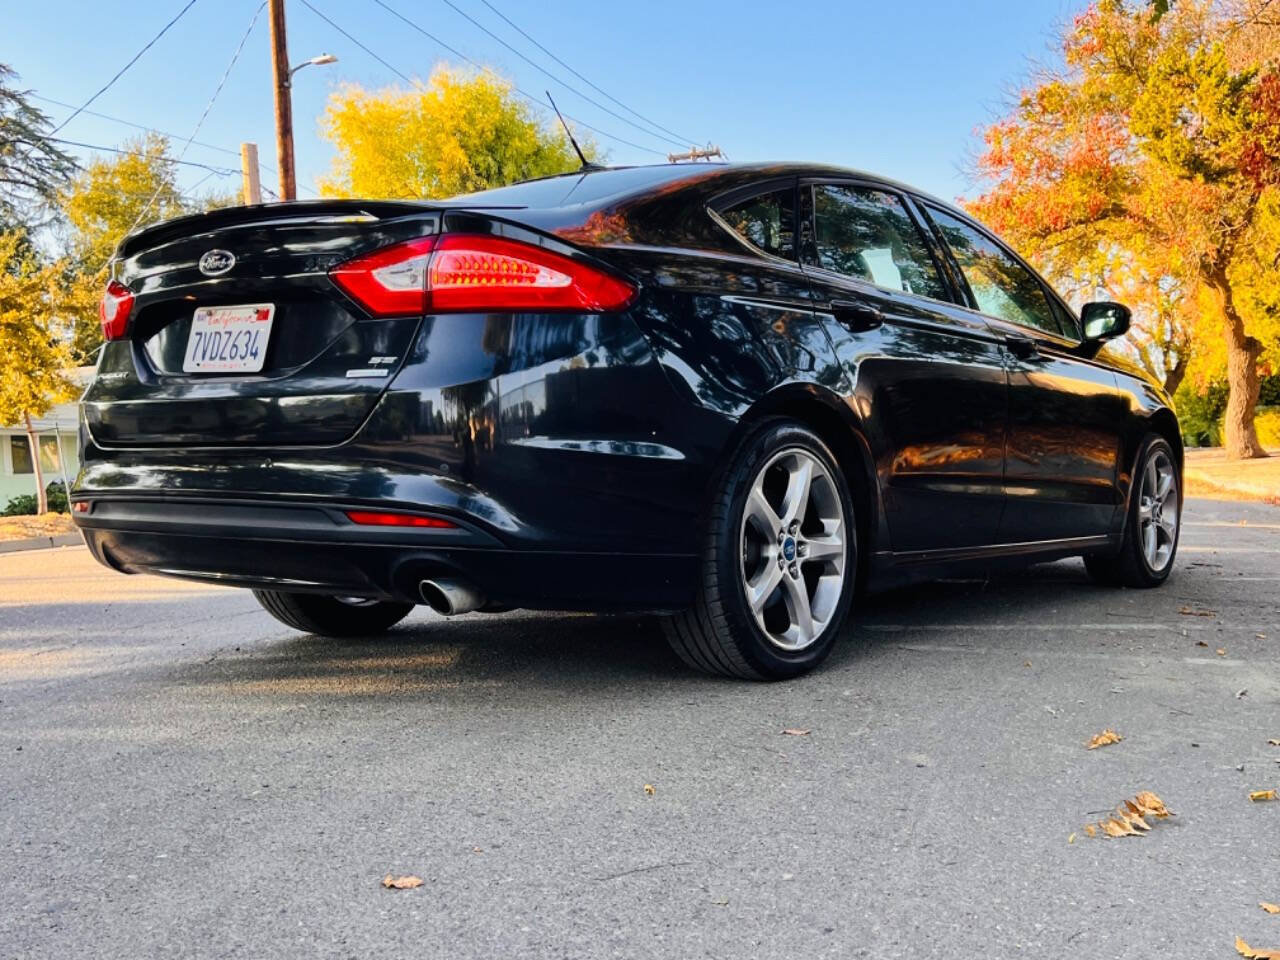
(41, 543)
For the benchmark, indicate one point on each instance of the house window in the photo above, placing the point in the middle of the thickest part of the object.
(20, 454)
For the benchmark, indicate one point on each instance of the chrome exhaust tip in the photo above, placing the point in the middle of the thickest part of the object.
(450, 597)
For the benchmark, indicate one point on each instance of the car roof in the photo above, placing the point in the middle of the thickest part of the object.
(606, 186)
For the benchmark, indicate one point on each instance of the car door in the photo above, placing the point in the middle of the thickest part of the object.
(1065, 411)
(926, 376)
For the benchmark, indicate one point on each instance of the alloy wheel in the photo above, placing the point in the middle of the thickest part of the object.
(794, 548)
(1158, 511)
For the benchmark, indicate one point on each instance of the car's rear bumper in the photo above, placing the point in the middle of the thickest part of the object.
(310, 547)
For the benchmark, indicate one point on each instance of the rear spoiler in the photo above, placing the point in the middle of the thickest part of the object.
(298, 211)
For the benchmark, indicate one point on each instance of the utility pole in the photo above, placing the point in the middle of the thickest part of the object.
(697, 153)
(249, 173)
(284, 104)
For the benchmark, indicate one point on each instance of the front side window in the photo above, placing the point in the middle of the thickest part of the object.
(1002, 286)
(765, 221)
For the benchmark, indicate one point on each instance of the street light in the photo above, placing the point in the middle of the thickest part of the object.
(319, 61)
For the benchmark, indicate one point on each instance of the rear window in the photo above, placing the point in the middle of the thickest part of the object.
(765, 221)
(577, 188)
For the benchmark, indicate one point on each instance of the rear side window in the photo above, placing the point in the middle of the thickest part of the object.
(1001, 286)
(866, 233)
(765, 222)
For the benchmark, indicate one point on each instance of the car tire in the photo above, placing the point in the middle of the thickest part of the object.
(1155, 511)
(332, 616)
(739, 625)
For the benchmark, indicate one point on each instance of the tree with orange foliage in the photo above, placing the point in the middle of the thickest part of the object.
(1149, 164)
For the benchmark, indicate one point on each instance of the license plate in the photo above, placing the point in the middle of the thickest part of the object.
(229, 339)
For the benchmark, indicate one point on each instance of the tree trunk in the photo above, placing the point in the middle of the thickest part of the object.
(1175, 375)
(1240, 438)
(42, 498)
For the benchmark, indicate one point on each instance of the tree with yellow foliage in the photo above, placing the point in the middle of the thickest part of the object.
(34, 352)
(107, 199)
(458, 133)
(1153, 154)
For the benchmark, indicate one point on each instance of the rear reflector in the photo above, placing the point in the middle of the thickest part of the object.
(80, 506)
(372, 519)
(475, 273)
(114, 309)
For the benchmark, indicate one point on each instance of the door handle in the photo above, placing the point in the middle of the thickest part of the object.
(857, 315)
(1024, 348)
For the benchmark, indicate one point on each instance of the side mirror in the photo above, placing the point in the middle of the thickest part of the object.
(1104, 320)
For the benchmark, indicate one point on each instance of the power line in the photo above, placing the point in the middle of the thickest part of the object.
(253, 22)
(136, 126)
(220, 171)
(145, 128)
(402, 76)
(532, 99)
(121, 71)
(595, 103)
(603, 93)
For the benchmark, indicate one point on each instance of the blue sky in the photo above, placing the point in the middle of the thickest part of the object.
(895, 88)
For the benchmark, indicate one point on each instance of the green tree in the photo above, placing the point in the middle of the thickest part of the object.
(34, 348)
(1153, 154)
(457, 133)
(32, 168)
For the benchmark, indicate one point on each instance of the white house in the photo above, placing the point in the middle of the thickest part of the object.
(56, 432)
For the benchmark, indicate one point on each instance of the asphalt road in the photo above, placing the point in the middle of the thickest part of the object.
(182, 777)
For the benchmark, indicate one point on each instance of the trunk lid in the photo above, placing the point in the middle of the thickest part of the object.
(325, 361)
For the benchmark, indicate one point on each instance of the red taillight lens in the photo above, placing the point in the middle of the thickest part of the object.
(476, 272)
(465, 272)
(114, 309)
(374, 519)
(389, 282)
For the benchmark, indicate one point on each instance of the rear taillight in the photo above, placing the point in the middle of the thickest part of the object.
(476, 272)
(389, 282)
(114, 309)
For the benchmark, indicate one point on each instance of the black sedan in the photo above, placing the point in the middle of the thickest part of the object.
(735, 395)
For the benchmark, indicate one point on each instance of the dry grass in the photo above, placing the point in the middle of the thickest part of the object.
(1210, 474)
(47, 525)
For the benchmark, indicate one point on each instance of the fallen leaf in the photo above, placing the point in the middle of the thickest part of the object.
(1221, 651)
(719, 903)
(401, 883)
(1103, 739)
(1269, 907)
(1245, 950)
(1192, 612)
(1273, 743)
(648, 790)
(1201, 643)
(1261, 636)
(1152, 805)
(795, 732)
(1071, 839)
(1114, 827)
(1129, 820)
(1026, 663)
(1240, 694)
(1258, 796)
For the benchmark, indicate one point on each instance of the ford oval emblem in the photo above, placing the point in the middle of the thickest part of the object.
(217, 262)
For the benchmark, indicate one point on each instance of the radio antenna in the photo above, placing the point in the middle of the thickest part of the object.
(587, 165)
